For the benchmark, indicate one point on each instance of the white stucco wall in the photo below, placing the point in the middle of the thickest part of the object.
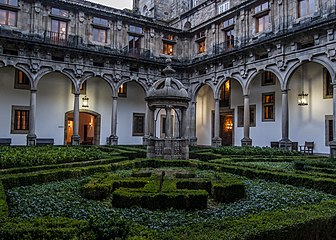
(307, 123)
(205, 104)
(133, 103)
(9, 97)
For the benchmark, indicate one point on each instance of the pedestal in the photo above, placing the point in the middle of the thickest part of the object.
(113, 140)
(75, 140)
(216, 142)
(246, 142)
(31, 140)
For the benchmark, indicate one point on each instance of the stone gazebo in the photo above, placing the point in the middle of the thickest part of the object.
(168, 94)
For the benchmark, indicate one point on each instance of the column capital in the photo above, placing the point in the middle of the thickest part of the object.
(76, 94)
(114, 97)
(284, 91)
(33, 90)
(246, 95)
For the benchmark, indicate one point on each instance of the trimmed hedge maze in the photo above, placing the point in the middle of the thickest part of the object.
(115, 193)
(154, 191)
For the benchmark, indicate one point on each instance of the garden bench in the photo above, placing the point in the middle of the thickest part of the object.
(307, 147)
(5, 141)
(44, 141)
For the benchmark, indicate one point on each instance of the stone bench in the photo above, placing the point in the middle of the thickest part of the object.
(5, 141)
(44, 141)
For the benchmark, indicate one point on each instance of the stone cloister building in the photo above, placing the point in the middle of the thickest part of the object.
(256, 71)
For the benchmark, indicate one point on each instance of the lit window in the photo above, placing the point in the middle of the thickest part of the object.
(224, 7)
(305, 7)
(229, 38)
(168, 37)
(8, 17)
(99, 35)
(21, 80)
(268, 103)
(122, 91)
(327, 84)
(138, 124)
(252, 116)
(20, 120)
(168, 48)
(225, 93)
(201, 46)
(262, 23)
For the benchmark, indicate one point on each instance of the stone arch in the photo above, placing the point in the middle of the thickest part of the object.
(252, 78)
(198, 87)
(25, 71)
(142, 84)
(321, 61)
(174, 81)
(87, 78)
(48, 71)
(222, 81)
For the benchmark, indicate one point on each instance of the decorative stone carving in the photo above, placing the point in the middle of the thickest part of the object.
(332, 54)
(79, 72)
(35, 66)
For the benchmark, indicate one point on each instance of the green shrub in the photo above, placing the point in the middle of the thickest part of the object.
(15, 180)
(228, 193)
(255, 151)
(3, 202)
(195, 185)
(190, 200)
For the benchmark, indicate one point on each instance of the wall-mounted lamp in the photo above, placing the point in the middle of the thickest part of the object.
(85, 102)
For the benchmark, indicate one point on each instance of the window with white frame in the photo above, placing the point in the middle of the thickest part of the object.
(224, 7)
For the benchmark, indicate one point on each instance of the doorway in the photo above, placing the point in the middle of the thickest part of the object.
(226, 129)
(89, 127)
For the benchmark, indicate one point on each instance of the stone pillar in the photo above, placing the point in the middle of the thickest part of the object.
(168, 122)
(216, 141)
(75, 138)
(113, 139)
(246, 141)
(147, 125)
(31, 137)
(184, 124)
(333, 142)
(193, 138)
(285, 142)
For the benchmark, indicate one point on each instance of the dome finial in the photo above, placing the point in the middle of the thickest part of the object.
(168, 70)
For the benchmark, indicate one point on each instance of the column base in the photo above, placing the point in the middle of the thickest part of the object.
(216, 142)
(113, 140)
(193, 141)
(285, 143)
(31, 140)
(246, 142)
(333, 149)
(75, 140)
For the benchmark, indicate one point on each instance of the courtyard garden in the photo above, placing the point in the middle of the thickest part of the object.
(107, 192)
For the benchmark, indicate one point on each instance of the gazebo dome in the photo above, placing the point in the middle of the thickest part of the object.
(168, 88)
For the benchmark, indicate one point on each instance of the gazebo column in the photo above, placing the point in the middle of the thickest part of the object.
(168, 148)
(31, 137)
(113, 139)
(184, 140)
(333, 142)
(193, 138)
(75, 138)
(246, 141)
(216, 141)
(285, 142)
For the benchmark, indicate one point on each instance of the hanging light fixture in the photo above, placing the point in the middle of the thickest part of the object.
(302, 96)
(85, 102)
